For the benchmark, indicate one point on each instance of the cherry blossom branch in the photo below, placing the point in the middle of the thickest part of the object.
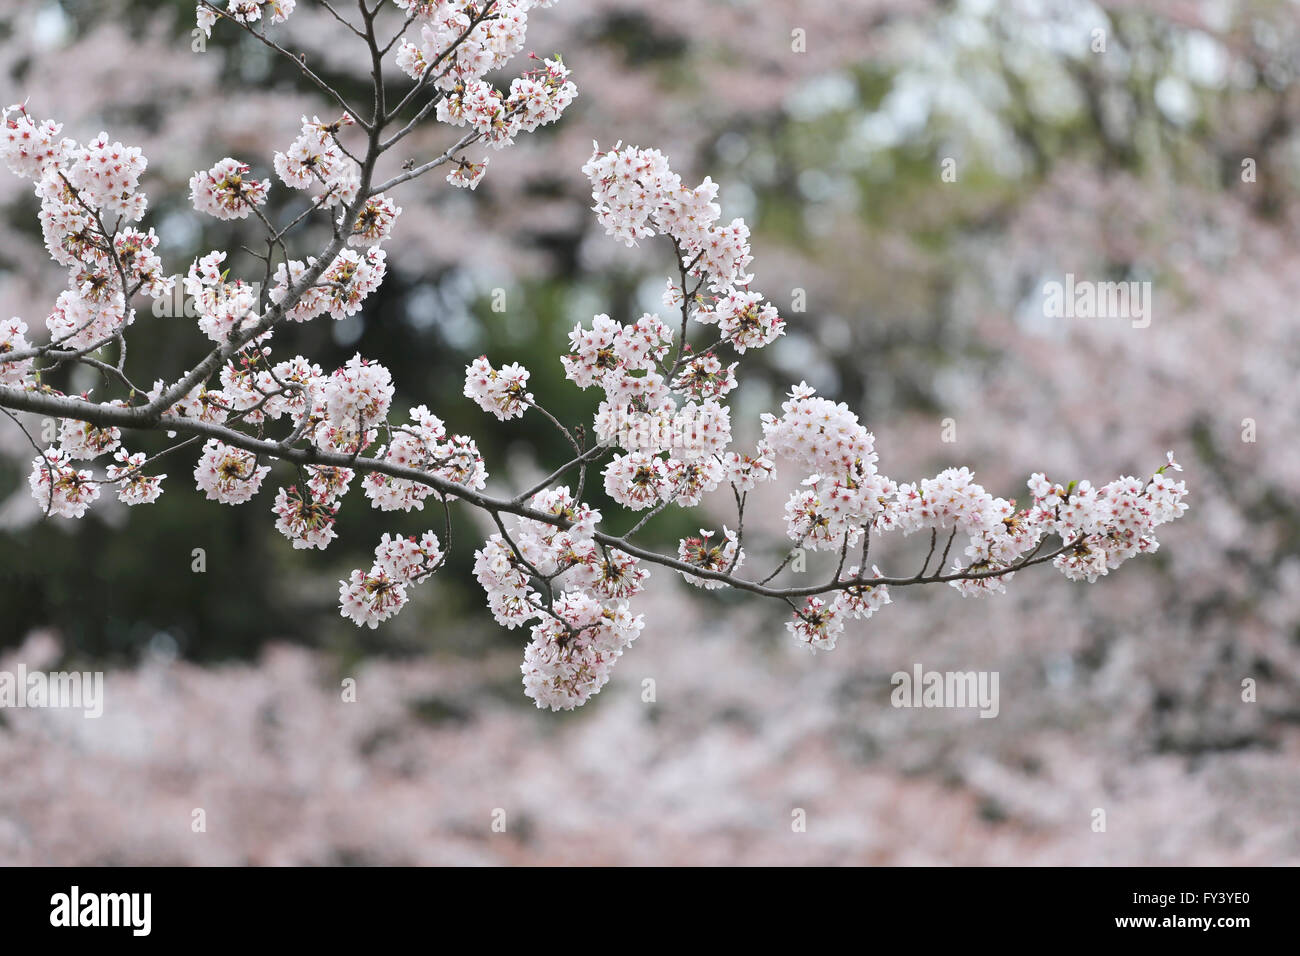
(662, 425)
(109, 416)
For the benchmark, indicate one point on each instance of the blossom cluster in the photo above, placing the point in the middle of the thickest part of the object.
(1110, 524)
(318, 158)
(13, 338)
(371, 597)
(358, 394)
(226, 191)
(461, 40)
(228, 475)
(307, 518)
(135, 487)
(572, 652)
(59, 486)
(503, 392)
(637, 194)
(339, 292)
(578, 634)
(244, 11)
(82, 188)
(424, 445)
(537, 98)
(675, 452)
(842, 491)
(819, 622)
(724, 557)
(222, 307)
